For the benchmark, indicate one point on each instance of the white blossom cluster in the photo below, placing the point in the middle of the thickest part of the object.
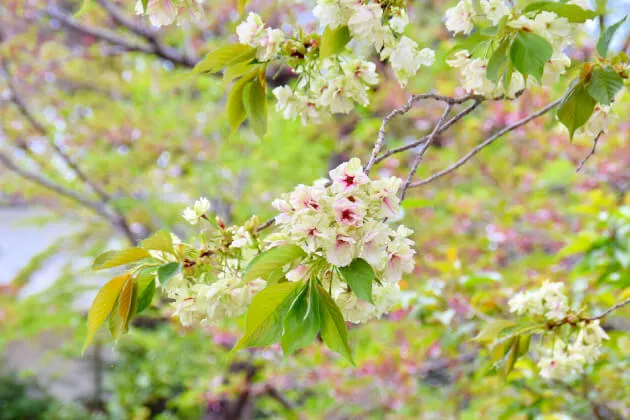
(339, 83)
(549, 302)
(210, 297)
(564, 359)
(165, 12)
(368, 25)
(558, 31)
(253, 32)
(336, 83)
(193, 214)
(568, 360)
(344, 221)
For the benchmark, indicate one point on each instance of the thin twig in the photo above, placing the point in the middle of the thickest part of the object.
(487, 142)
(380, 139)
(444, 127)
(266, 224)
(277, 395)
(418, 159)
(591, 153)
(609, 310)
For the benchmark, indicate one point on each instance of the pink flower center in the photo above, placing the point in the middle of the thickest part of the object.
(348, 180)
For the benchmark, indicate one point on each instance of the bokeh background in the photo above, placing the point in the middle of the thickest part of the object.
(104, 109)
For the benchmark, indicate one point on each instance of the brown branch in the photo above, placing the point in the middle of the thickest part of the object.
(591, 153)
(418, 159)
(153, 45)
(487, 142)
(169, 53)
(98, 33)
(277, 395)
(96, 206)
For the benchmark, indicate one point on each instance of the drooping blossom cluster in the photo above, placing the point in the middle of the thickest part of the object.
(336, 83)
(342, 221)
(558, 31)
(568, 356)
(210, 288)
(567, 360)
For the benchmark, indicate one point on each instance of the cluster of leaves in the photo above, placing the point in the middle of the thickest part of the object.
(127, 295)
(599, 83)
(248, 97)
(508, 49)
(294, 313)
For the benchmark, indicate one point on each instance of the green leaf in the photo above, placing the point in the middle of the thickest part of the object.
(605, 38)
(237, 70)
(115, 323)
(102, 258)
(86, 5)
(168, 271)
(124, 257)
(512, 355)
(523, 345)
(498, 62)
(225, 56)
(265, 314)
(529, 54)
(334, 331)
(359, 276)
(333, 41)
(572, 12)
(160, 241)
(241, 5)
(492, 330)
(269, 261)
(102, 306)
(470, 43)
(145, 4)
(303, 320)
(604, 85)
(125, 302)
(576, 109)
(146, 290)
(235, 107)
(255, 103)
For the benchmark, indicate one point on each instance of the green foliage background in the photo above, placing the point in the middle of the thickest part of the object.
(156, 138)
